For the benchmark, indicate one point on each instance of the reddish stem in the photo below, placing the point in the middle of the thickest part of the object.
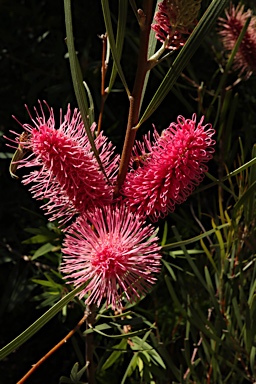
(145, 19)
(54, 349)
(104, 67)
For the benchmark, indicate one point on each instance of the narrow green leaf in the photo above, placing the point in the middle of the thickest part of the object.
(189, 259)
(194, 239)
(237, 313)
(170, 270)
(252, 360)
(131, 367)
(211, 289)
(209, 256)
(165, 232)
(38, 324)
(91, 116)
(121, 26)
(203, 27)
(120, 349)
(240, 169)
(37, 239)
(244, 199)
(115, 52)
(48, 247)
(174, 296)
(78, 80)
(74, 370)
(139, 344)
(121, 336)
(250, 207)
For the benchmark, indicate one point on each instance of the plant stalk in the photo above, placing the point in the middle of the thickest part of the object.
(145, 19)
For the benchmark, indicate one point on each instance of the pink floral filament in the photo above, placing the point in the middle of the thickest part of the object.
(115, 252)
(174, 166)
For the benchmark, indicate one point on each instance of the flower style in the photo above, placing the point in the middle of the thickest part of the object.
(172, 168)
(175, 20)
(230, 29)
(69, 175)
(113, 250)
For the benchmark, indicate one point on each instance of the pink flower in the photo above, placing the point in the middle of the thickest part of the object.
(171, 170)
(68, 175)
(245, 59)
(113, 251)
(175, 21)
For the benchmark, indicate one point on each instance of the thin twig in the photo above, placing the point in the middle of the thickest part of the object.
(104, 66)
(54, 349)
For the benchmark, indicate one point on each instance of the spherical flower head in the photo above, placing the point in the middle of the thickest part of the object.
(115, 252)
(169, 174)
(230, 29)
(69, 175)
(175, 20)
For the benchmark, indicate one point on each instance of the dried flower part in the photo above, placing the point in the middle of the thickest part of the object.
(230, 29)
(115, 252)
(68, 175)
(175, 21)
(175, 165)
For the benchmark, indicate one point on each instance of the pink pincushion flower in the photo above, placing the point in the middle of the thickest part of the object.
(174, 21)
(114, 251)
(69, 175)
(172, 169)
(230, 29)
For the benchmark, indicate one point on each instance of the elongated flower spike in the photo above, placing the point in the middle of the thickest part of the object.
(174, 165)
(174, 21)
(65, 169)
(229, 31)
(115, 252)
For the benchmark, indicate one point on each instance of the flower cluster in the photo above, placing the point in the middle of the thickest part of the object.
(65, 172)
(115, 251)
(230, 29)
(174, 21)
(109, 249)
(174, 165)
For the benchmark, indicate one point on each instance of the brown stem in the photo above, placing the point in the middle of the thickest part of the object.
(54, 349)
(145, 19)
(104, 67)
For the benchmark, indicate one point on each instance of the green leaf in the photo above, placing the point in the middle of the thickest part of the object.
(38, 324)
(211, 289)
(237, 313)
(78, 81)
(116, 50)
(131, 367)
(91, 104)
(37, 239)
(151, 50)
(169, 268)
(174, 296)
(194, 239)
(165, 232)
(48, 247)
(120, 348)
(189, 259)
(121, 26)
(203, 27)
(244, 200)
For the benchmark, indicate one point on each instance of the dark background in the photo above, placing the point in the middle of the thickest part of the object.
(33, 66)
